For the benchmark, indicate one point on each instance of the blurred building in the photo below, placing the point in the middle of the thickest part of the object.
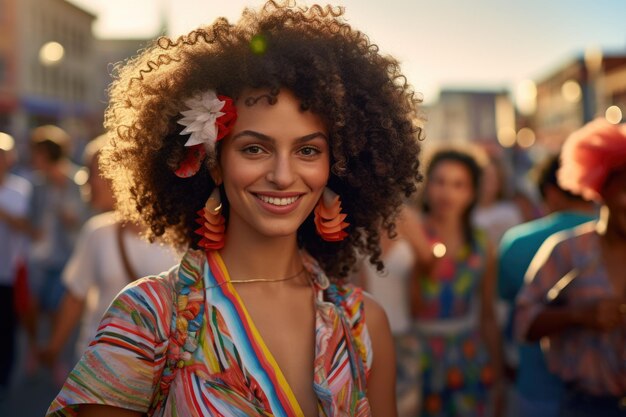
(479, 116)
(589, 86)
(47, 64)
(53, 69)
(112, 52)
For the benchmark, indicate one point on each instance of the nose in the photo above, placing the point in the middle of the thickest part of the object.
(282, 172)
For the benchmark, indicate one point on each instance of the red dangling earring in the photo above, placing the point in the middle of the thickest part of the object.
(212, 223)
(329, 221)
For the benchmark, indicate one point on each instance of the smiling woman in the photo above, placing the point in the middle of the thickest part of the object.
(290, 141)
(283, 164)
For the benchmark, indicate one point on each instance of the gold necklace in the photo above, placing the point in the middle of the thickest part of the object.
(246, 281)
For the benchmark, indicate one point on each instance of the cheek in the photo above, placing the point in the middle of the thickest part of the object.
(236, 172)
(465, 195)
(317, 177)
(434, 191)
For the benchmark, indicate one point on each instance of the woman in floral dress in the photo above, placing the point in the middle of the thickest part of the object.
(453, 294)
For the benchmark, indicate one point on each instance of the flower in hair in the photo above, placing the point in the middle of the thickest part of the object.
(209, 118)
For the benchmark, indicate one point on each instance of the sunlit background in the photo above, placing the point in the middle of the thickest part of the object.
(504, 74)
(509, 75)
(513, 77)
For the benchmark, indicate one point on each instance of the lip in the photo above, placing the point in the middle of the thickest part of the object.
(274, 209)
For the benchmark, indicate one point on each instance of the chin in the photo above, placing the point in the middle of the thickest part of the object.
(277, 231)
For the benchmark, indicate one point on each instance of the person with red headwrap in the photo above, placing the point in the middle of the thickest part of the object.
(574, 299)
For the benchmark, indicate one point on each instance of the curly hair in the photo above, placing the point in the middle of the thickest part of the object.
(335, 71)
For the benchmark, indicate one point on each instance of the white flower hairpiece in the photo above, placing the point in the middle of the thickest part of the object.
(201, 119)
(209, 119)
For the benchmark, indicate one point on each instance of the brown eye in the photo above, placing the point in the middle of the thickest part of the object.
(309, 151)
(253, 150)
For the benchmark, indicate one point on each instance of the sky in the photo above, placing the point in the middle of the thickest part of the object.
(470, 44)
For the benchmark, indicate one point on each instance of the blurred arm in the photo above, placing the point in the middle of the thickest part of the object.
(490, 330)
(488, 321)
(70, 313)
(381, 385)
(17, 223)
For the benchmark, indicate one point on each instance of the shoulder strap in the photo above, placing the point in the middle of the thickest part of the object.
(554, 295)
(128, 268)
(349, 303)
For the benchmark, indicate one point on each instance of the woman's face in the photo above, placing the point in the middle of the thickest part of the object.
(274, 165)
(449, 190)
(101, 190)
(614, 195)
(490, 183)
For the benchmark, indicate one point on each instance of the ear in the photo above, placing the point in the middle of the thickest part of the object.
(553, 198)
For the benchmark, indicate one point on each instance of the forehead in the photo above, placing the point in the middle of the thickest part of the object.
(283, 118)
(450, 169)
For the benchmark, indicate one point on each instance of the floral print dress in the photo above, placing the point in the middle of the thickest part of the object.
(453, 360)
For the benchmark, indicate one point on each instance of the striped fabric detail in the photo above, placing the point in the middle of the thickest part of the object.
(225, 367)
(257, 359)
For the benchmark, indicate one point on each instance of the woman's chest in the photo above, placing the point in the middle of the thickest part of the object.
(252, 360)
(286, 326)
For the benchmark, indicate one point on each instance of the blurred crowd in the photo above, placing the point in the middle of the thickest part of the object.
(64, 255)
(500, 304)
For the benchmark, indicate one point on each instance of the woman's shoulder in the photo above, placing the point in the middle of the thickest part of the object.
(151, 296)
(344, 294)
(376, 315)
(362, 313)
(566, 248)
(99, 224)
(356, 303)
(577, 239)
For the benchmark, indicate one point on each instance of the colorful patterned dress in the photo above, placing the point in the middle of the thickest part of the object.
(183, 344)
(455, 374)
(589, 361)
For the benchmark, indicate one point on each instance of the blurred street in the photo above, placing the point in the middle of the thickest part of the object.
(502, 91)
(32, 390)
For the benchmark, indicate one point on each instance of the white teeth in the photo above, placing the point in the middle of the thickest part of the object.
(277, 201)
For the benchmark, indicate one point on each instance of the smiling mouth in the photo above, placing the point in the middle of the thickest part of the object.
(277, 201)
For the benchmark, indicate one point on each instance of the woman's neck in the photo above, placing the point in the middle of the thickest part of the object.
(250, 255)
(446, 226)
(610, 233)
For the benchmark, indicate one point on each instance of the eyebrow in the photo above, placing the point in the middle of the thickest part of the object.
(267, 138)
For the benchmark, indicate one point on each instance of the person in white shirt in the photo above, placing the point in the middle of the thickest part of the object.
(107, 257)
(15, 193)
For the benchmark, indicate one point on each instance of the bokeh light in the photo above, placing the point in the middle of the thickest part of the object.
(6, 142)
(613, 115)
(593, 58)
(439, 250)
(526, 137)
(571, 91)
(258, 44)
(81, 176)
(526, 97)
(51, 53)
(506, 137)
